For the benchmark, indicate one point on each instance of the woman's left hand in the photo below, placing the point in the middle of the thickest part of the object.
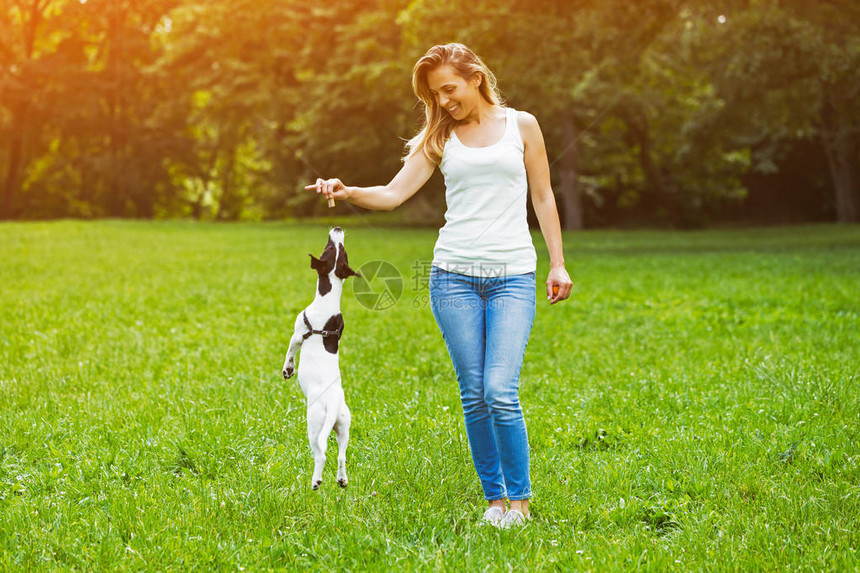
(558, 285)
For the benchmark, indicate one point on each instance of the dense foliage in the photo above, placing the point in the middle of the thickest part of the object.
(672, 111)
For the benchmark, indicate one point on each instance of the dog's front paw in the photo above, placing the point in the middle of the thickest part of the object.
(316, 485)
(342, 482)
(288, 372)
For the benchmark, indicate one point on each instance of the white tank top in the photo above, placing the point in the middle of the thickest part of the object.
(486, 232)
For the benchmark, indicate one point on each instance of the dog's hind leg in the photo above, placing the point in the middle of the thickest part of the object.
(324, 416)
(341, 428)
(316, 423)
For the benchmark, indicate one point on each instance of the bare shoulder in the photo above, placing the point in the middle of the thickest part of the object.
(525, 119)
(529, 127)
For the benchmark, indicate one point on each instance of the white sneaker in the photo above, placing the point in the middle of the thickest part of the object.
(513, 518)
(493, 516)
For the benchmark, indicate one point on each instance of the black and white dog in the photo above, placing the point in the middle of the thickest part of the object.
(317, 331)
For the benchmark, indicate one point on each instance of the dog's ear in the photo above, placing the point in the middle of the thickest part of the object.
(316, 264)
(342, 269)
(345, 271)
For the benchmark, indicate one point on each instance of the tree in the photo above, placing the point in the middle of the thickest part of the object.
(652, 110)
(245, 93)
(82, 137)
(20, 51)
(789, 70)
(357, 103)
(837, 53)
(605, 61)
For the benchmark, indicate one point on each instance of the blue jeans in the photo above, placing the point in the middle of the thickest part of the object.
(486, 324)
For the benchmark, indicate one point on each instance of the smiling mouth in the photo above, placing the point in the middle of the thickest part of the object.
(451, 109)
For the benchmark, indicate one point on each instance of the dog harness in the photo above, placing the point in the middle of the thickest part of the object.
(323, 333)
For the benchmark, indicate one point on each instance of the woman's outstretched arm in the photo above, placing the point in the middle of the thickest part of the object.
(411, 177)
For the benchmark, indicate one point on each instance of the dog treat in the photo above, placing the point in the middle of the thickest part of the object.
(330, 202)
(554, 290)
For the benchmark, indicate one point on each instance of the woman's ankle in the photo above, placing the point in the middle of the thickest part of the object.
(521, 505)
(500, 503)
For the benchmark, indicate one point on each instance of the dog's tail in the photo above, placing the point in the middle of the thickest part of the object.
(328, 425)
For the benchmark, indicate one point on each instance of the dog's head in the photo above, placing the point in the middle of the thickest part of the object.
(332, 263)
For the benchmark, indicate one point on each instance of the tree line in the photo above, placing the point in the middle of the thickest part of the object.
(679, 112)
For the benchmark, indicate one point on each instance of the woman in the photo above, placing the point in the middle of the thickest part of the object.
(482, 282)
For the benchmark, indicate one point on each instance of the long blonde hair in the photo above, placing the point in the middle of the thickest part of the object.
(438, 124)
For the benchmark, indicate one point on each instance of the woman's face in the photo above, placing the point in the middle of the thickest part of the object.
(453, 93)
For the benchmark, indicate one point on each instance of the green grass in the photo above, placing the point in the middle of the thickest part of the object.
(693, 406)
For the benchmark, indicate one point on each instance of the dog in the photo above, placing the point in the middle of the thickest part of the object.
(317, 332)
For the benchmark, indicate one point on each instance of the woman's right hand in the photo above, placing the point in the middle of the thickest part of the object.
(331, 188)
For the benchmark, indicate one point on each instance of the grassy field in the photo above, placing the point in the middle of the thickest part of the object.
(694, 406)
